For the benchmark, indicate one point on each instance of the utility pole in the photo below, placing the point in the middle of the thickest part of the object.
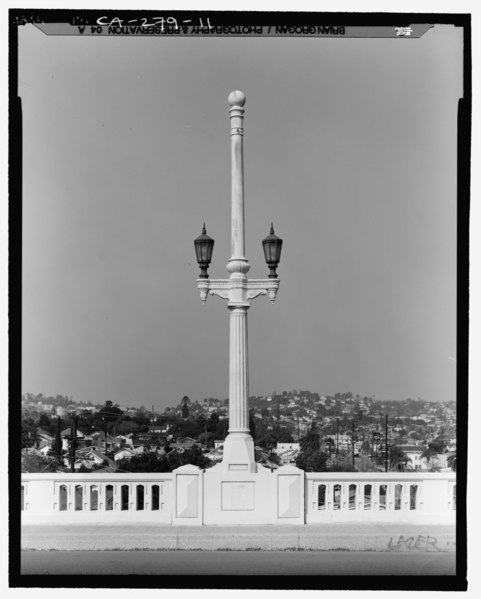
(58, 442)
(106, 435)
(386, 454)
(353, 430)
(337, 437)
(73, 443)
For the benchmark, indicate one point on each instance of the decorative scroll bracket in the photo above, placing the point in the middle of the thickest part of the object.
(238, 291)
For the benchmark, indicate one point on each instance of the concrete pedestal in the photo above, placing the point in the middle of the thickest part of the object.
(232, 497)
(262, 497)
(239, 453)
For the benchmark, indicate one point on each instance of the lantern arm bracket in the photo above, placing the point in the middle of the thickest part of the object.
(219, 287)
(253, 293)
(256, 287)
(237, 291)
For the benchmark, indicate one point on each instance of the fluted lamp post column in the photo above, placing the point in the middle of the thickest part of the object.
(238, 290)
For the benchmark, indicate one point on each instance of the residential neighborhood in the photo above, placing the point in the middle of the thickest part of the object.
(349, 430)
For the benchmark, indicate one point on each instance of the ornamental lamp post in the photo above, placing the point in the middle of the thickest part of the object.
(238, 290)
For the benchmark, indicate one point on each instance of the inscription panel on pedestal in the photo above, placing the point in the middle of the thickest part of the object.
(238, 495)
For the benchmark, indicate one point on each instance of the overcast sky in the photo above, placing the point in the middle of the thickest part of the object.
(350, 148)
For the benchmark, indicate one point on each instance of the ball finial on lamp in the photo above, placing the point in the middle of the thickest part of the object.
(237, 98)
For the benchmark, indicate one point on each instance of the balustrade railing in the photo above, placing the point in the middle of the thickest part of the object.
(150, 497)
(371, 496)
(98, 496)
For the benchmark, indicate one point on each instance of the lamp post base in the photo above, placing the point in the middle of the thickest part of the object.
(239, 453)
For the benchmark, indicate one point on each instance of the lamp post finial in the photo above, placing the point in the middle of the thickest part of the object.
(237, 98)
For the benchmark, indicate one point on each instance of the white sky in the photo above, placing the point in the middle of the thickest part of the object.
(350, 147)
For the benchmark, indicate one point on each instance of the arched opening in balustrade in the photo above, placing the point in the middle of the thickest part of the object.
(382, 497)
(155, 497)
(398, 493)
(22, 498)
(124, 497)
(79, 492)
(62, 498)
(321, 497)
(140, 497)
(367, 497)
(336, 496)
(413, 497)
(94, 497)
(352, 497)
(109, 497)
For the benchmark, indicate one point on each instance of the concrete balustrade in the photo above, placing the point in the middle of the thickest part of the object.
(382, 497)
(191, 496)
(89, 498)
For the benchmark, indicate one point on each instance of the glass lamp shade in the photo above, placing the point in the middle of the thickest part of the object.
(272, 246)
(204, 246)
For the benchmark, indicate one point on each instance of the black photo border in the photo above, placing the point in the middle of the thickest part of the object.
(458, 582)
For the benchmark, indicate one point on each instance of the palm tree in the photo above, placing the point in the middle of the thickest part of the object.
(311, 442)
(397, 459)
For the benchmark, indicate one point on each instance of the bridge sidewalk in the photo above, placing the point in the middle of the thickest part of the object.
(325, 537)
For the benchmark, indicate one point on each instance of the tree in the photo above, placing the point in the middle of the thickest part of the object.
(213, 422)
(252, 423)
(29, 432)
(312, 462)
(192, 456)
(273, 457)
(44, 422)
(283, 435)
(452, 461)
(330, 444)
(432, 449)
(365, 447)
(311, 442)
(268, 442)
(126, 427)
(57, 445)
(109, 412)
(311, 458)
(33, 462)
(145, 462)
(397, 458)
(151, 462)
(343, 465)
(185, 411)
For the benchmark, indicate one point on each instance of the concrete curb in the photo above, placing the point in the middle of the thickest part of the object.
(378, 537)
